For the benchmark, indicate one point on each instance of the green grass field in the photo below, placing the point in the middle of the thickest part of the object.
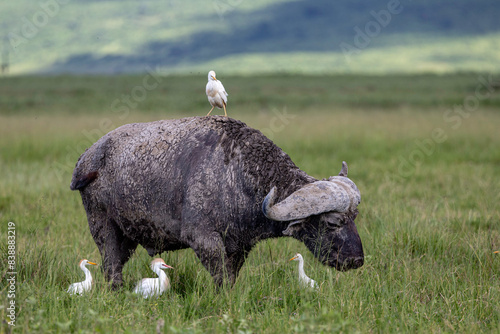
(428, 172)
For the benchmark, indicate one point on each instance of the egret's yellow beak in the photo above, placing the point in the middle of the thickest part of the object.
(213, 77)
(293, 258)
(95, 264)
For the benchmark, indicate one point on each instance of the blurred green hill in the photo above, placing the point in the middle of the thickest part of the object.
(241, 36)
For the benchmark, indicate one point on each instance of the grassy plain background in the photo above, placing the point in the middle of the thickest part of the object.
(428, 235)
(249, 37)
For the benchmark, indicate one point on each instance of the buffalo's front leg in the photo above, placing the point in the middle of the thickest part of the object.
(212, 254)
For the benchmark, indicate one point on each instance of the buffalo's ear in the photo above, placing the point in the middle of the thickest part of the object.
(343, 171)
(293, 227)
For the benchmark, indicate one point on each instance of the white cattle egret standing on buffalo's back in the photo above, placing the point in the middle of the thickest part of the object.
(81, 287)
(149, 287)
(303, 279)
(216, 93)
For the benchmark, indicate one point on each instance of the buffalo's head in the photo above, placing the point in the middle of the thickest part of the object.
(321, 214)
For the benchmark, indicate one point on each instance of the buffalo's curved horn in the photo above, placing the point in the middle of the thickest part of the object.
(312, 199)
(350, 187)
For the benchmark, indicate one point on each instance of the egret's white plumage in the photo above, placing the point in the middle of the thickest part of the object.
(303, 279)
(149, 287)
(86, 285)
(216, 93)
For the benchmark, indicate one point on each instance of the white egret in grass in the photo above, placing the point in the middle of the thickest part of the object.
(86, 285)
(216, 93)
(303, 279)
(149, 287)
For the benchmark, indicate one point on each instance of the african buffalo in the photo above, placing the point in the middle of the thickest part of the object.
(212, 184)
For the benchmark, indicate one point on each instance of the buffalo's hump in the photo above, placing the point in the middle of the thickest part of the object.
(186, 143)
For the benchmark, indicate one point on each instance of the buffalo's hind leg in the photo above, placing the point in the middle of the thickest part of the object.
(114, 246)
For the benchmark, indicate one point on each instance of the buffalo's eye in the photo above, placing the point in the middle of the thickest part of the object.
(333, 219)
